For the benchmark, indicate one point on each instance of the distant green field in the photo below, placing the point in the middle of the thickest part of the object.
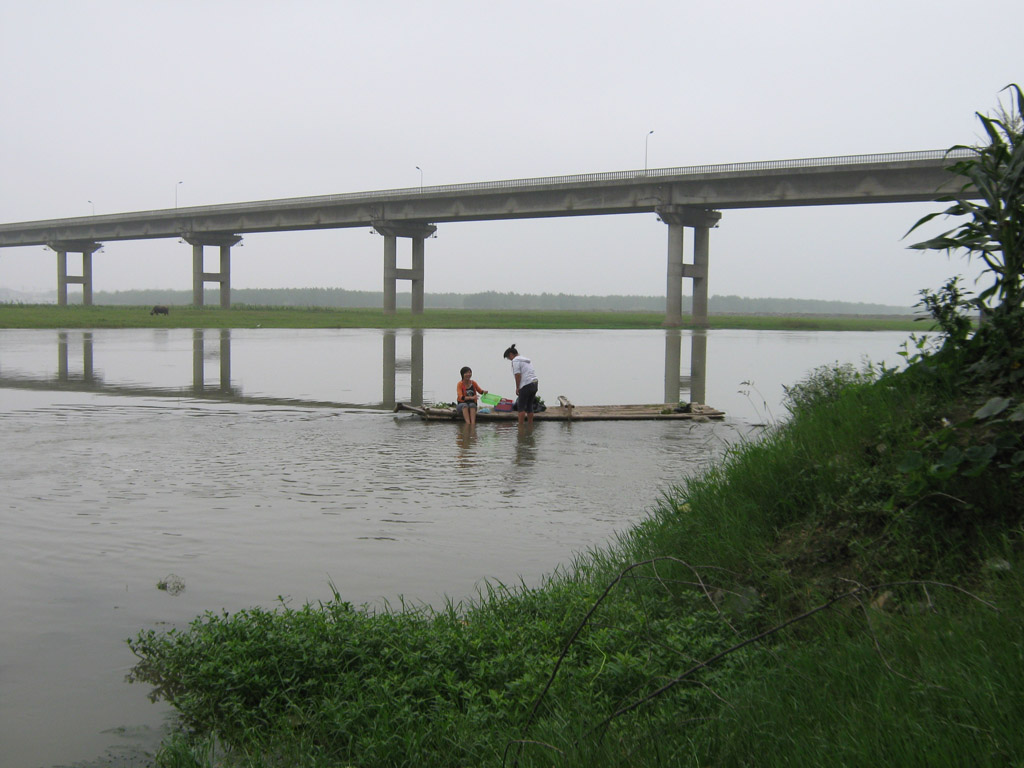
(78, 316)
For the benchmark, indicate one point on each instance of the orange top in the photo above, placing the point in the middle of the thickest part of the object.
(461, 388)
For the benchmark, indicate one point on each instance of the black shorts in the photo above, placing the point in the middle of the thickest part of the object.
(528, 397)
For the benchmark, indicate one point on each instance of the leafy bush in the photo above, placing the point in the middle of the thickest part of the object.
(823, 384)
(991, 198)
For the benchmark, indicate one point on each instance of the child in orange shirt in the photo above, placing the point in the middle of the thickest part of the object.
(468, 392)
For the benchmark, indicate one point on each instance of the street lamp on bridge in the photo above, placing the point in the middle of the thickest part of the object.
(421, 178)
(646, 139)
(176, 193)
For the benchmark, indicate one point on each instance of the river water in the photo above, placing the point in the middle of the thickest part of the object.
(250, 466)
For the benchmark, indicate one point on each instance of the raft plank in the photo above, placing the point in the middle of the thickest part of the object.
(651, 412)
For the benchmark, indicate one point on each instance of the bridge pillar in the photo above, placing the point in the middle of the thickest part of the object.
(677, 217)
(417, 232)
(85, 247)
(201, 277)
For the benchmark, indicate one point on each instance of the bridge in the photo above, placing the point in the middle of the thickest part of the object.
(690, 197)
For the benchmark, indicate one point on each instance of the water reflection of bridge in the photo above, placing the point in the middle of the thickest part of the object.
(215, 345)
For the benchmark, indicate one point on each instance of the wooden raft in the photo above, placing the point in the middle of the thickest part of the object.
(566, 411)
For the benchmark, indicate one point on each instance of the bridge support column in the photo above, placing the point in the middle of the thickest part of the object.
(201, 277)
(85, 247)
(678, 217)
(417, 232)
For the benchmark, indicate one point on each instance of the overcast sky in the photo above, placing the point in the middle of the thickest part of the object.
(120, 105)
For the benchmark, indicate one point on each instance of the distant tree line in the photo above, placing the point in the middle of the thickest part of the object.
(340, 297)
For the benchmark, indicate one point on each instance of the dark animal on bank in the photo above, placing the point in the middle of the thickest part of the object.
(160, 310)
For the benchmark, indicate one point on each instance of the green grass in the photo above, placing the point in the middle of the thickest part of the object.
(936, 688)
(78, 316)
(919, 661)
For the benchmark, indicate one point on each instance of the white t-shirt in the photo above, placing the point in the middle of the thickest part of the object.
(524, 368)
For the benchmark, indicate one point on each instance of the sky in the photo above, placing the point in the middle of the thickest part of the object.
(115, 105)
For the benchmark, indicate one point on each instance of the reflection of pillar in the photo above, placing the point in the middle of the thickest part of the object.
(388, 395)
(225, 360)
(62, 355)
(63, 366)
(696, 381)
(416, 374)
(199, 360)
(417, 232)
(87, 369)
(698, 366)
(198, 370)
(673, 342)
(701, 220)
(200, 277)
(85, 247)
(392, 364)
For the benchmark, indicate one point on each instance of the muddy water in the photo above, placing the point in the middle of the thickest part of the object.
(257, 465)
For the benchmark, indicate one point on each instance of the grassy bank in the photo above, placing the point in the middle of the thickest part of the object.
(78, 316)
(821, 597)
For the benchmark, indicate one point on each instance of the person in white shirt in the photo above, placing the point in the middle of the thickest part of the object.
(526, 382)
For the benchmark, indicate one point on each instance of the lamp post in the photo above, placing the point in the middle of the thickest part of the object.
(176, 193)
(646, 139)
(90, 202)
(421, 178)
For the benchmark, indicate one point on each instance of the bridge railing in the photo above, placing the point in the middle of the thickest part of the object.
(520, 184)
(653, 173)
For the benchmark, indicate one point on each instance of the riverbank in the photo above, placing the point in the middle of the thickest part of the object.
(78, 316)
(845, 590)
